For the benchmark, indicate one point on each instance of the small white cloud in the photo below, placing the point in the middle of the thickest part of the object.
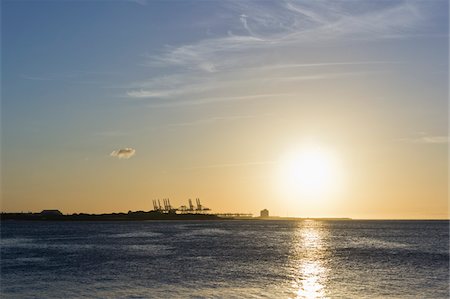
(207, 67)
(124, 153)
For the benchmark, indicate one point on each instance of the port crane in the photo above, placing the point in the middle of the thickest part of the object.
(168, 208)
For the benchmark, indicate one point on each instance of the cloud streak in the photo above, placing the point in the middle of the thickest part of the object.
(424, 138)
(75, 76)
(139, 2)
(244, 164)
(211, 120)
(210, 100)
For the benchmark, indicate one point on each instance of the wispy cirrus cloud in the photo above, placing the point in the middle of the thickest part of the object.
(227, 165)
(212, 99)
(233, 65)
(208, 120)
(424, 138)
(74, 76)
(328, 64)
(200, 88)
(213, 119)
(273, 25)
(111, 133)
(139, 2)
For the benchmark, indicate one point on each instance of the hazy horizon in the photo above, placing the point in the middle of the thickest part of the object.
(305, 108)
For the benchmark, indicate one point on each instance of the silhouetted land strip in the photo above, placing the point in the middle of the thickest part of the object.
(130, 216)
(56, 215)
(299, 218)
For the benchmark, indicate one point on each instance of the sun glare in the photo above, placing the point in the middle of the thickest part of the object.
(310, 172)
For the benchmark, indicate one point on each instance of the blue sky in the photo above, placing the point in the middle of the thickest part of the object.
(200, 84)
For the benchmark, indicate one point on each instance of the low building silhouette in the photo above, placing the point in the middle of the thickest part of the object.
(264, 213)
(51, 213)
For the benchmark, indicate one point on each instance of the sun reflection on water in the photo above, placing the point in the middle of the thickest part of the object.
(311, 281)
(311, 271)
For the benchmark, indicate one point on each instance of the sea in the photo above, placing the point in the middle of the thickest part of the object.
(225, 259)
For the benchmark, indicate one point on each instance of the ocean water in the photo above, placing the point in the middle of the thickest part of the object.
(225, 259)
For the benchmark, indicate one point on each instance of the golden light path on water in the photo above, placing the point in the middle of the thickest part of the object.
(309, 260)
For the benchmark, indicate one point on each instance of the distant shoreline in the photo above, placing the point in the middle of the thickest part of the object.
(158, 216)
(130, 216)
(141, 216)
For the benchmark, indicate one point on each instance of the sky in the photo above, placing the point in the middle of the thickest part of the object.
(107, 105)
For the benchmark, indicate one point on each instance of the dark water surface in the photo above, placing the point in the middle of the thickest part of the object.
(225, 259)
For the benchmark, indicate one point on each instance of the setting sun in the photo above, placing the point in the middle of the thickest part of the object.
(309, 172)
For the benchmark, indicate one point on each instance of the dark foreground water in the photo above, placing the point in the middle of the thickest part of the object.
(225, 259)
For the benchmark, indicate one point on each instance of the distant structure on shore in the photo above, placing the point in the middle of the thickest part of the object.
(264, 213)
(198, 208)
(167, 207)
(51, 213)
